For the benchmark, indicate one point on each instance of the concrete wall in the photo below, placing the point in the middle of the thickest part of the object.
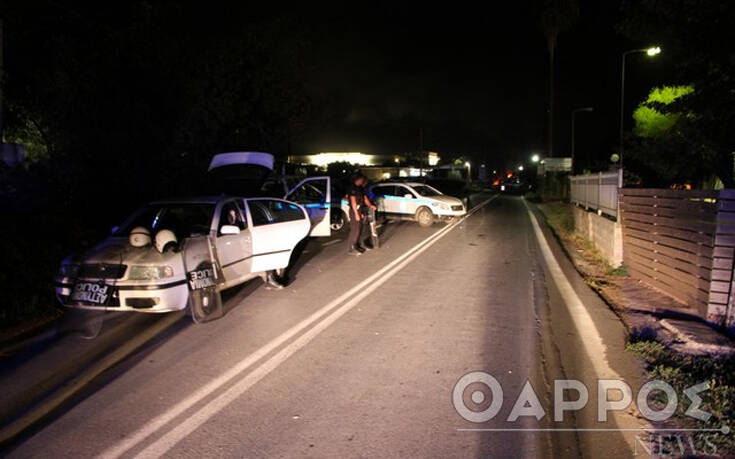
(606, 234)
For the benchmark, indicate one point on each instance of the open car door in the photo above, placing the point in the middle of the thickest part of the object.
(276, 227)
(314, 193)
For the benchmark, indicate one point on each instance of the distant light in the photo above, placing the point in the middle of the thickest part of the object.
(323, 159)
(535, 158)
(495, 171)
(614, 157)
(653, 51)
(520, 168)
(467, 164)
(397, 160)
(386, 175)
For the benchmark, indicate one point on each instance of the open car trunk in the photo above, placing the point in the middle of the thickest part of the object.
(245, 173)
(239, 173)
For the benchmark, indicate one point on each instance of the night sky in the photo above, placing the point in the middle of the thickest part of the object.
(475, 80)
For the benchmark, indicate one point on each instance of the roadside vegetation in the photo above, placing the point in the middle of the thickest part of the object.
(661, 362)
(682, 371)
(559, 217)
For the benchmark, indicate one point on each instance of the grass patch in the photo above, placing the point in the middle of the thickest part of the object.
(683, 371)
(559, 216)
(532, 196)
(619, 271)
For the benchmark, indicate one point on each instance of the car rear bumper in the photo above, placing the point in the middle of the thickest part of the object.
(153, 298)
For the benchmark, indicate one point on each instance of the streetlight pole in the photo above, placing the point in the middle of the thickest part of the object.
(651, 52)
(574, 112)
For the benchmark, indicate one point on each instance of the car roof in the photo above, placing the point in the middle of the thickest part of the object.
(192, 200)
(400, 183)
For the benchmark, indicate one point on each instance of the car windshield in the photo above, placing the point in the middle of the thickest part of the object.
(184, 219)
(425, 190)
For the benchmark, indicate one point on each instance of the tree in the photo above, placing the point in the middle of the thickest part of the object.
(698, 37)
(667, 148)
(655, 117)
(557, 16)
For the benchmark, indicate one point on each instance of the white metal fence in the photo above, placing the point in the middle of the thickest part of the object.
(597, 191)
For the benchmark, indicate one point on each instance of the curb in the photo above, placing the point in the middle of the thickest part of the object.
(664, 316)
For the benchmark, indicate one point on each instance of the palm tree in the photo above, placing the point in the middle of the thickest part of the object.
(556, 16)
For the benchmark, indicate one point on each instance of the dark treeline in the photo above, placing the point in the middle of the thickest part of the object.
(122, 102)
(130, 99)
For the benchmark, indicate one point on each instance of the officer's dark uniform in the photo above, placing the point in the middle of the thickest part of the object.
(356, 227)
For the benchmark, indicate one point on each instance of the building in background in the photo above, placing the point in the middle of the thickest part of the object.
(359, 159)
(562, 164)
(375, 166)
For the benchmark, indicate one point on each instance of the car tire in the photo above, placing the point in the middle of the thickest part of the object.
(338, 220)
(424, 217)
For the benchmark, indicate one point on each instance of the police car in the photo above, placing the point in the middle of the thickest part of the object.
(413, 201)
(166, 249)
(170, 251)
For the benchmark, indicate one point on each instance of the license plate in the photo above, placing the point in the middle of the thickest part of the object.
(202, 278)
(91, 293)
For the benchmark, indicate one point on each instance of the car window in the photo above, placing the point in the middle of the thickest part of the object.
(184, 219)
(384, 190)
(425, 190)
(308, 193)
(269, 211)
(231, 215)
(402, 191)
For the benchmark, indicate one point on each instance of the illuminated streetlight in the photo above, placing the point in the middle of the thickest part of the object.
(652, 51)
(469, 170)
(535, 158)
(520, 168)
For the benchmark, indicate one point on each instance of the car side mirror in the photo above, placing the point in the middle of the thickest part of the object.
(229, 230)
(408, 195)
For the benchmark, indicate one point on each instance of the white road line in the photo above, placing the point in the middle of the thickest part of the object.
(594, 348)
(238, 387)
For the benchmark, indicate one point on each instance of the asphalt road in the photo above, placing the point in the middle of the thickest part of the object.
(359, 356)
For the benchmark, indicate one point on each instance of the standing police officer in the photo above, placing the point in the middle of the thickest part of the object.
(359, 204)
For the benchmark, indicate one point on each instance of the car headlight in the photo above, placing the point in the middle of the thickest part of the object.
(150, 272)
(440, 205)
(69, 270)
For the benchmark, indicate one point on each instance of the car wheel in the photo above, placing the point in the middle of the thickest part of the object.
(424, 217)
(338, 221)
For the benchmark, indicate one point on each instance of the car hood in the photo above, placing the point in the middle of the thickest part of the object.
(451, 200)
(118, 250)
